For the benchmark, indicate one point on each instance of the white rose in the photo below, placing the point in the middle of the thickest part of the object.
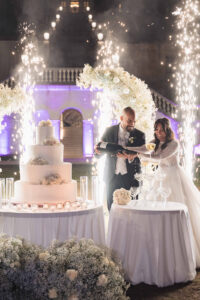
(44, 256)
(106, 261)
(126, 91)
(102, 280)
(73, 297)
(121, 196)
(107, 73)
(71, 274)
(116, 80)
(52, 293)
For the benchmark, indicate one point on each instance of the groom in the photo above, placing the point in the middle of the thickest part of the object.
(120, 169)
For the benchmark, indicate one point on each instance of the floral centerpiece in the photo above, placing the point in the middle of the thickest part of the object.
(70, 270)
(126, 90)
(121, 196)
(38, 161)
(52, 179)
(44, 123)
(51, 142)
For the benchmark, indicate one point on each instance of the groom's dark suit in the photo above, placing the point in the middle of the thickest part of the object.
(112, 180)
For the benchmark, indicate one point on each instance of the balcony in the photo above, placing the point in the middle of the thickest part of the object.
(68, 76)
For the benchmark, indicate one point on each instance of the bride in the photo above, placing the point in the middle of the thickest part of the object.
(182, 188)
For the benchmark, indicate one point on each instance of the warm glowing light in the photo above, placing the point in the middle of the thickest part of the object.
(53, 25)
(94, 24)
(100, 36)
(60, 8)
(57, 17)
(46, 36)
(31, 65)
(74, 4)
(187, 40)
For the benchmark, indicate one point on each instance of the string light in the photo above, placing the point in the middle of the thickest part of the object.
(46, 36)
(53, 25)
(188, 42)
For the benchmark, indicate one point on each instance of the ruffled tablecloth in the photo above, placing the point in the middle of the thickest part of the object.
(155, 245)
(42, 228)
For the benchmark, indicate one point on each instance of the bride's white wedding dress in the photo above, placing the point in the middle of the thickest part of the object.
(182, 187)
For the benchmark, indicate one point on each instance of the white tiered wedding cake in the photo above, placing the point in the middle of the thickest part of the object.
(45, 178)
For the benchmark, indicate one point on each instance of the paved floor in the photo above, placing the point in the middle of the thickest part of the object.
(183, 291)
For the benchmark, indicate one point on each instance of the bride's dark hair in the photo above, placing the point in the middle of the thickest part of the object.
(164, 122)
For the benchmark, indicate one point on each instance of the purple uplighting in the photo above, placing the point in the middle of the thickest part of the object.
(88, 145)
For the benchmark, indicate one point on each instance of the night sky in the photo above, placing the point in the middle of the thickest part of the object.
(144, 18)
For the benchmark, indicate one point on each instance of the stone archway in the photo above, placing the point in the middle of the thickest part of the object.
(72, 133)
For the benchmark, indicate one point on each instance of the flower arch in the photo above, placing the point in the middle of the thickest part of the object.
(122, 89)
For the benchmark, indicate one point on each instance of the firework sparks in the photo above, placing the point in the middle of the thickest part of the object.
(187, 39)
(32, 66)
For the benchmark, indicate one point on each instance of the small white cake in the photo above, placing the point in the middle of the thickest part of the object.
(44, 131)
(45, 178)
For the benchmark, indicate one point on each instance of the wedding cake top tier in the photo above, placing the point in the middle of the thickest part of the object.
(44, 132)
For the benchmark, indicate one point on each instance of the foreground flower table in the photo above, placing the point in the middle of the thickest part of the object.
(42, 228)
(155, 244)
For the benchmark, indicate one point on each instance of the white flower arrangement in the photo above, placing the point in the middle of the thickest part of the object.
(121, 196)
(52, 179)
(51, 142)
(71, 270)
(11, 100)
(44, 123)
(38, 161)
(126, 90)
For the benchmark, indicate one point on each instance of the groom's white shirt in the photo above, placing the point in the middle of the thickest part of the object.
(123, 137)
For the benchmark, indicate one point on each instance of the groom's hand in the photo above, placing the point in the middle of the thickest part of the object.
(96, 150)
(121, 155)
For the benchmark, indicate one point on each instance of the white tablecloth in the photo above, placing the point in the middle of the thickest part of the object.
(43, 227)
(155, 245)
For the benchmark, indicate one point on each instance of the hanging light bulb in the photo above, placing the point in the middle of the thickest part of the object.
(90, 17)
(53, 25)
(60, 8)
(94, 24)
(57, 17)
(46, 36)
(100, 36)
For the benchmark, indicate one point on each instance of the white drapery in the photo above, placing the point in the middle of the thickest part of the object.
(42, 228)
(155, 245)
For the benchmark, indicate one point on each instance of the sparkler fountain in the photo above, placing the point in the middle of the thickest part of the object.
(31, 66)
(188, 41)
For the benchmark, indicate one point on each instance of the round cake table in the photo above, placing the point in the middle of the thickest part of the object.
(155, 244)
(42, 227)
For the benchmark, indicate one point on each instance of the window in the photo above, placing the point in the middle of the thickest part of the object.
(74, 6)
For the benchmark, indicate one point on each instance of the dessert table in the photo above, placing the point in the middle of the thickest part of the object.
(155, 243)
(42, 227)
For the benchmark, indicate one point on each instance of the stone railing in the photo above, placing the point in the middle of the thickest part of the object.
(59, 76)
(164, 105)
(69, 76)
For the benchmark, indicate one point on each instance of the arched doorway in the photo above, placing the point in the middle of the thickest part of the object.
(72, 133)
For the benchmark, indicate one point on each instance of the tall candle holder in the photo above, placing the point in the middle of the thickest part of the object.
(2, 191)
(95, 189)
(84, 188)
(9, 189)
